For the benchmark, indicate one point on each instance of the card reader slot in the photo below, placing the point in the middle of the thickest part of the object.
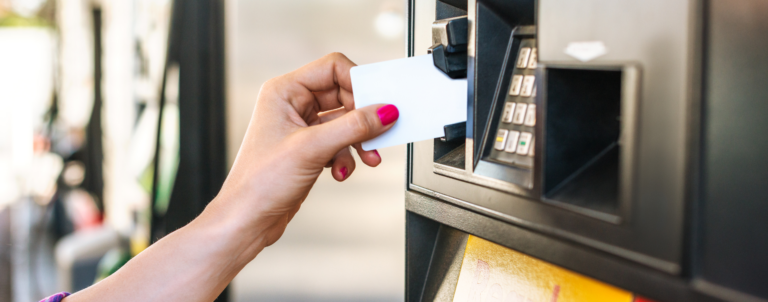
(450, 153)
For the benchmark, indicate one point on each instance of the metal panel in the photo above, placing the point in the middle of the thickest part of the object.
(734, 193)
(420, 237)
(587, 261)
(445, 265)
(657, 36)
(653, 234)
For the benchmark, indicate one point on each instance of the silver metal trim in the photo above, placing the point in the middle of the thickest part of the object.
(469, 145)
(470, 177)
(440, 31)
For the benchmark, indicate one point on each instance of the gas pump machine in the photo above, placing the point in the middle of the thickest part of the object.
(614, 150)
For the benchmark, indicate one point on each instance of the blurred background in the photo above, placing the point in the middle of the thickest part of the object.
(119, 120)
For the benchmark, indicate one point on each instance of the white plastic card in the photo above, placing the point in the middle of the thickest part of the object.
(425, 96)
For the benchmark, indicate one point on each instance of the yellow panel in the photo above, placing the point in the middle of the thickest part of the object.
(491, 273)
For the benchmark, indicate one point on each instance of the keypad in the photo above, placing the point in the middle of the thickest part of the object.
(524, 144)
(527, 88)
(533, 61)
(514, 141)
(509, 109)
(501, 139)
(522, 58)
(530, 116)
(519, 116)
(517, 83)
(530, 153)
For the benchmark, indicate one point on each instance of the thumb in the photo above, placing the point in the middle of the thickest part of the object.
(353, 127)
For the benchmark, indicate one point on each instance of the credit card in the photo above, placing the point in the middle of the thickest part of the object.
(425, 96)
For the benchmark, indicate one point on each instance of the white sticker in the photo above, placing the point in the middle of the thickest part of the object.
(512, 141)
(522, 59)
(519, 115)
(530, 117)
(586, 51)
(509, 108)
(524, 145)
(527, 85)
(533, 143)
(534, 59)
(517, 82)
(501, 138)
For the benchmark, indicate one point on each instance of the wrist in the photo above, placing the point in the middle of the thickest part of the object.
(236, 230)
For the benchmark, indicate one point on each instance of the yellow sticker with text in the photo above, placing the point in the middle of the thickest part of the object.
(493, 273)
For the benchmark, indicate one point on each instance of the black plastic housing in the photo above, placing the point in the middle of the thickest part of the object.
(695, 227)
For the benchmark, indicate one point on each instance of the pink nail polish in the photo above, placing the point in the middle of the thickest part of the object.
(388, 114)
(377, 153)
(343, 172)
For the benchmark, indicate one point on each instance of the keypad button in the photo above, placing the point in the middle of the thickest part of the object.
(522, 60)
(509, 109)
(517, 82)
(519, 115)
(524, 145)
(530, 116)
(512, 141)
(533, 144)
(527, 88)
(532, 62)
(534, 91)
(501, 139)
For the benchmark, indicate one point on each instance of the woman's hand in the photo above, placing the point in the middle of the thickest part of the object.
(303, 121)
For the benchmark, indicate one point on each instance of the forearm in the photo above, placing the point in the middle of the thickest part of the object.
(303, 121)
(194, 263)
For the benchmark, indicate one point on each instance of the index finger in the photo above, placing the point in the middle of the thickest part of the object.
(327, 73)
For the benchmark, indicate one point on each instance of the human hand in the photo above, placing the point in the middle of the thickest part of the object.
(303, 121)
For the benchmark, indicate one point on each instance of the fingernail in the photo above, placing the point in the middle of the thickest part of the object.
(343, 172)
(377, 153)
(388, 114)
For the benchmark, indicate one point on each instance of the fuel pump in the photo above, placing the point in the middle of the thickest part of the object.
(600, 147)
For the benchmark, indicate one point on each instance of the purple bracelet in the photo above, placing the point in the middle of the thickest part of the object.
(55, 298)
